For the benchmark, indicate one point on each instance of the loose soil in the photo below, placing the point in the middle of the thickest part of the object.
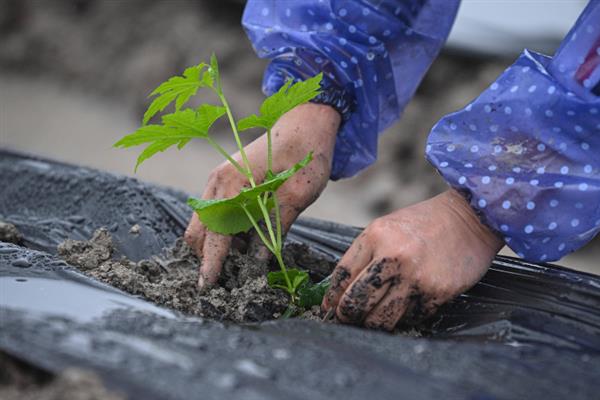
(22, 381)
(170, 280)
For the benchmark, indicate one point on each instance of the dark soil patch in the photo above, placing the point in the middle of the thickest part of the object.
(169, 280)
(9, 233)
(19, 380)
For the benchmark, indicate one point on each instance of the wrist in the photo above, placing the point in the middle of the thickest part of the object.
(460, 206)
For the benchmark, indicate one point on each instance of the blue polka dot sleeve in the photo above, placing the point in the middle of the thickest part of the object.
(527, 150)
(374, 51)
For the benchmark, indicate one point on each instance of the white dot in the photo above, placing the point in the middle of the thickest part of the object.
(530, 205)
(342, 12)
(492, 167)
(562, 146)
(450, 148)
(583, 186)
(444, 164)
(329, 26)
(342, 41)
(543, 257)
(485, 180)
(587, 169)
(472, 127)
(528, 229)
(525, 69)
(585, 146)
(497, 149)
(372, 39)
(553, 203)
(532, 88)
(504, 228)
(344, 64)
(355, 61)
(482, 203)
(462, 180)
(514, 89)
(574, 222)
(352, 29)
(507, 110)
(506, 204)
(494, 86)
(370, 56)
(552, 226)
(487, 108)
(541, 147)
(534, 182)
(387, 32)
(540, 170)
(474, 148)
(564, 170)
(578, 129)
(551, 89)
(468, 165)
(366, 11)
(265, 12)
(558, 184)
(561, 247)
(549, 113)
(453, 126)
(516, 169)
(493, 128)
(510, 180)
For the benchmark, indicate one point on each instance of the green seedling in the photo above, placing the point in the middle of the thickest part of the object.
(253, 204)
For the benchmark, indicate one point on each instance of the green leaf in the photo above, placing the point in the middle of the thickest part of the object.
(297, 278)
(288, 97)
(177, 128)
(178, 89)
(312, 294)
(227, 216)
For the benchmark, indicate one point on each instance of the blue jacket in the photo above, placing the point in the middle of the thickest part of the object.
(526, 152)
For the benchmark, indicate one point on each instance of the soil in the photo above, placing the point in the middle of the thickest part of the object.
(9, 233)
(22, 381)
(242, 294)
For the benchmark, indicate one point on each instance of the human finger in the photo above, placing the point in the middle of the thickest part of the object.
(215, 250)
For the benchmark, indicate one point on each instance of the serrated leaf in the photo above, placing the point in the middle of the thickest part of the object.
(177, 128)
(178, 88)
(297, 279)
(227, 216)
(311, 294)
(288, 97)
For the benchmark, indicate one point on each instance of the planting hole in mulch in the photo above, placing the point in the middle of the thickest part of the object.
(170, 279)
(20, 380)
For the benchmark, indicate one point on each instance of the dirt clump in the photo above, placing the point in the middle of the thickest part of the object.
(9, 233)
(21, 381)
(170, 280)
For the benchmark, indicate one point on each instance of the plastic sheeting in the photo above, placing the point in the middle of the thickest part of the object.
(525, 331)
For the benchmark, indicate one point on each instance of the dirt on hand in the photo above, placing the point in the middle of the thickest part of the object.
(170, 280)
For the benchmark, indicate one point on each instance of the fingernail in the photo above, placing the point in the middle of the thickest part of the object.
(201, 282)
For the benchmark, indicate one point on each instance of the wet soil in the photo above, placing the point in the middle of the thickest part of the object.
(170, 279)
(9, 233)
(19, 380)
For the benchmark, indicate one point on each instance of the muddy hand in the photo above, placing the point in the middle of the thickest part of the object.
(406, 264)
(309, 127)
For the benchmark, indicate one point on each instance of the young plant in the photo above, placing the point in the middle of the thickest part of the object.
(253, 204)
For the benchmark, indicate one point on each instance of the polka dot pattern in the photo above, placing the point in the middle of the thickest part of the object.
(377, 51)
(536, 177)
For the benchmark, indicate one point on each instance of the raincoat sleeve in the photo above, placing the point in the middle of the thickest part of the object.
(373, 55)
(526, 152)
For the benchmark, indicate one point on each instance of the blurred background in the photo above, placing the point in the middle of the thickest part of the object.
(75, 75)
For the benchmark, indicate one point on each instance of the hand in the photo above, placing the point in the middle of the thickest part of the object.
(308, 127)
(406, 264)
